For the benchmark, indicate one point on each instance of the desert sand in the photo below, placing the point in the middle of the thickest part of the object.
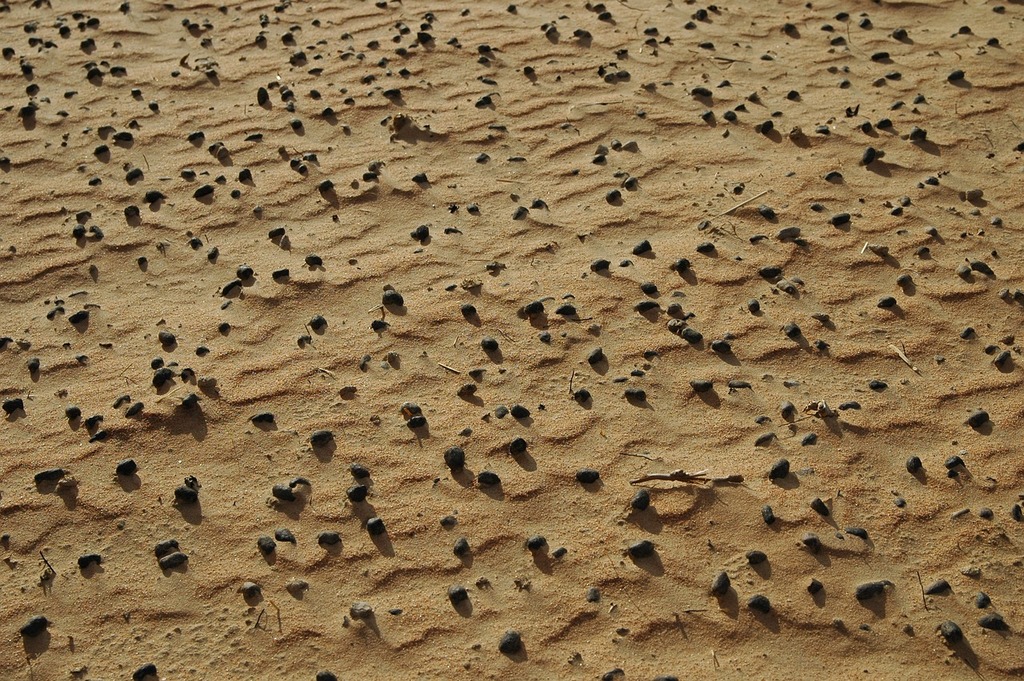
(509, 260)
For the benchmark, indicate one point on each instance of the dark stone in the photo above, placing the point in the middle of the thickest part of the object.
(536, 543)
(285, 535)
(759, 603)
(34, 626)
(266, 545)
(172, 560)
(951, 632)
(978, 418)
(779, 470)
(720, 584)
(869, 590)
(375, 526)
(455, 458)
(488, 479)
(511, 643)
(641, 549)
(88, 559)
(126, 468)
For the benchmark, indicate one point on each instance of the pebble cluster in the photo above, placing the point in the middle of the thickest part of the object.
(362, 351)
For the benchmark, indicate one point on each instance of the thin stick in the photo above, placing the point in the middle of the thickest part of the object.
(641, 456)
(906, 359)
(445, 366)
(714, 658)
(159, 399)
(258, 618)
(326, 371)
(278, 614)
(507, 337)
(571, 377)
(699, 477)
(743, 203)
(866, 244)
(47, 563)
(921, 584)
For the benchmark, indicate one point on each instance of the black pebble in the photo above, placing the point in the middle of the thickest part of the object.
(642, 247)
(701, 386)
(791, 330)
(641, 549)
(978, 418)
(285, 535)
(869, 590)
(767, 514)
(937, 587)
(172, 560)
(641, 501)
(34, 626)
(759, 603)
(488, 479)
(461, 547)
(779, 470)
(49, 475)
(951, 632)
(819, 507)
(635, 394)
(519, 411)
(857, 532)
(320, 438)
(536, 543)
(993, 621)
(88, 559)
(455, 458)
(982, 600)
(814, 587)
(488, 344)
(357, 493)
(756, 557)
(126, 468)
(186, 495)
(328, 538)
(913, 464)
(457, 594)
(720, 584)
(144, 672)
(587, 476)
(266, 545)
(375, 526)
(511, 643)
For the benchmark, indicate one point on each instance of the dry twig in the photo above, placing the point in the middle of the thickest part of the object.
(743, 203)
(697, 478)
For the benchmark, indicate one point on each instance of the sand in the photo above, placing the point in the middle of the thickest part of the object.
(436, 123)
